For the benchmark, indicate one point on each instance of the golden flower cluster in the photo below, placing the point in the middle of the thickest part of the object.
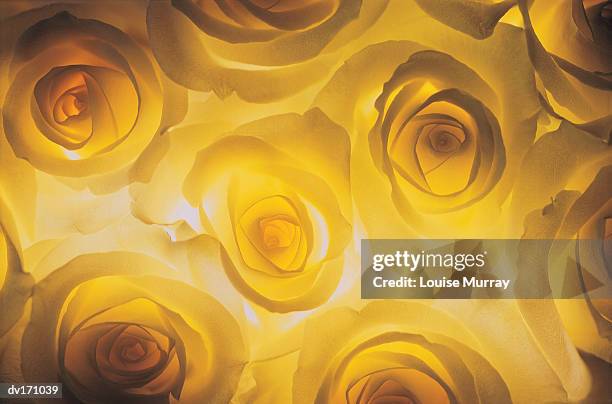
(184, 185)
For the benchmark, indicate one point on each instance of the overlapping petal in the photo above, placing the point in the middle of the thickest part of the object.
(15, 284)
(117, 326)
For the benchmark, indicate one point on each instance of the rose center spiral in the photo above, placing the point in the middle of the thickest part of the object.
(132, 349)
(277, 232)
(444, 142)
(397, 386)
(71, 103)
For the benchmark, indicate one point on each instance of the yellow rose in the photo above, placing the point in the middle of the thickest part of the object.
(82, 97)
(570, 264)
(262, 50)
(575, 266)
(405, 352)
(116, 327)
(278, 206)
(437, 136)
(570, 45)
(440, 147)
(589, 220)
(15, 285)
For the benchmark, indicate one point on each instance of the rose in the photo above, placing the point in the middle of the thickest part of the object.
(441, 147)
(81, 97)
(589, 220)
(576, 260)
(570, 46)
(117, 327)
(278, 209)
(569, 263)
(588, 320)
(15, 285)
(261, 50)
(438, 136)
(405, 352)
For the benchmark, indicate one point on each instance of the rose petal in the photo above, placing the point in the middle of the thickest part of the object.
(475, 18)
(15, 284)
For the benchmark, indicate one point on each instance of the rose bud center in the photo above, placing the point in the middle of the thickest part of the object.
(277, 232)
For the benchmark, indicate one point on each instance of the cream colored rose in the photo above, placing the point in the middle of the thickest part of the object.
(80, 96)
(573, 267)
(262, 50)
(275, 193)
(438, 136)
(440, 148)
(589, 220)
(570, 46)
(117, 327)
(393, 352)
